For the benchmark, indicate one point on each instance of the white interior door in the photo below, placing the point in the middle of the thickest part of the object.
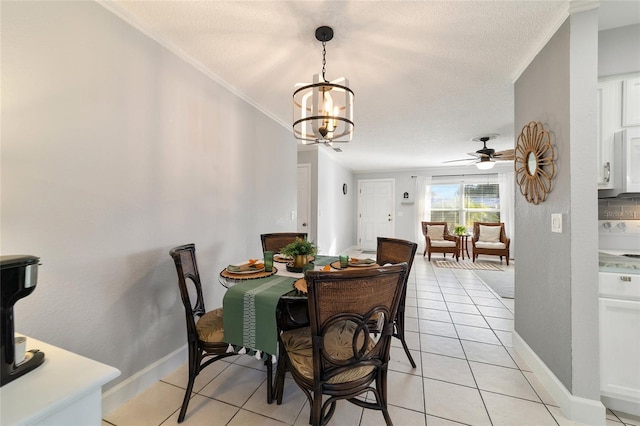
(304, 198)
(376, 211)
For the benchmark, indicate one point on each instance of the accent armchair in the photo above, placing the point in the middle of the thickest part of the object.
(491, 239)
(439, 240)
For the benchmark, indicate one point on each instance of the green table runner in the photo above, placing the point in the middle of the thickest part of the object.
(250, 313)
(324, 260)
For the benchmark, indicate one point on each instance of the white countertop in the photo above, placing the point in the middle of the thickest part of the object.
(63, 378)
(613, 261)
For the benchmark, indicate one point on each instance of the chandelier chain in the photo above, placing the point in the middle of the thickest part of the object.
(324, 60)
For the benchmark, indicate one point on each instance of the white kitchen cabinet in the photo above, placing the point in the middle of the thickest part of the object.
(631, 102)
(618, 107)
(620, 341)
(609, 122)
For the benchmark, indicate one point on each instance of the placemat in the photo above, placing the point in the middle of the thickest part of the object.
(336, 265)
(262, 274)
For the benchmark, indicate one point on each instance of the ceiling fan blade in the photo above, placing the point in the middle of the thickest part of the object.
(506, 155)
(462, 159)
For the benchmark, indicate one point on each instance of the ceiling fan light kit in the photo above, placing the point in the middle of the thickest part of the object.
(485, 163)
(323, 110)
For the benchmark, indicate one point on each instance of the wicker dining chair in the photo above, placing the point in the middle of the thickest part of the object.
(204, 336)
(275, 241)
(392, 250)
(339, 355)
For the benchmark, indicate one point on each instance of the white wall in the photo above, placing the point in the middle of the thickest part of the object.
(114, 150)
(336, 211)
(332, 213)
(310, 156)
(407, 224)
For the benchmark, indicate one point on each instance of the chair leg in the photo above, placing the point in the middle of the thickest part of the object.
(193, 372)
(316, 409)
(381, 397)
(400, 335)
(281, 370)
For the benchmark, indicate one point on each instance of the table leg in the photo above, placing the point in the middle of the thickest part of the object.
(269, 380)
(466, 247)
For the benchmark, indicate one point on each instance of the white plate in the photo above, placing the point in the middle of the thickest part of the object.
(251, 271)
(282, 258)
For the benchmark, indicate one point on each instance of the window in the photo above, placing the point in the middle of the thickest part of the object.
(465, 203)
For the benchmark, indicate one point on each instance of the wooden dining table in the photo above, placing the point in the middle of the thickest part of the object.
(251, 299)
(250, 306)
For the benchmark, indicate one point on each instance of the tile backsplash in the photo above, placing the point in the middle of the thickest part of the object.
(619, 208)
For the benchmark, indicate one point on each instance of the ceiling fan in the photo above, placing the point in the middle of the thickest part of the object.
(485, 158)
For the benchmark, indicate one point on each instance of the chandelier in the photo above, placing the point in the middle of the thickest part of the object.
(323, 110)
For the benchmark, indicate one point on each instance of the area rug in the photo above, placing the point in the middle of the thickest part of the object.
(501, 282)
(467, 265)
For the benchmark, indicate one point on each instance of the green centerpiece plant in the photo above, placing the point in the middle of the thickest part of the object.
(299, 250)
(459, 230)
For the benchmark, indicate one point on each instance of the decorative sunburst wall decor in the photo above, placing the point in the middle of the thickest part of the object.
(534, 162)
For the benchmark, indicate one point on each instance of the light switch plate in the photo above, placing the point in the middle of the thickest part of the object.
(556, 222)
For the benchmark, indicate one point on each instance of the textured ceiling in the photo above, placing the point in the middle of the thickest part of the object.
(428, 76)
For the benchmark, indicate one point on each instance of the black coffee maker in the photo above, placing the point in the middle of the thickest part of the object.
(19, 274)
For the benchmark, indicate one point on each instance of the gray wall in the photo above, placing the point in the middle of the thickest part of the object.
(556, 278)
(114, 150)
(619, 51)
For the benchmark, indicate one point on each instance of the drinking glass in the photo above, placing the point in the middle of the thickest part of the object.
(344, 260)
(268, 261)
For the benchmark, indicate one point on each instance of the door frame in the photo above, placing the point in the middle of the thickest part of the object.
(307, 167)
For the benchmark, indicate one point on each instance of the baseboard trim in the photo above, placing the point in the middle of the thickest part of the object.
(575, 408)
(618, 404)
(142, 380)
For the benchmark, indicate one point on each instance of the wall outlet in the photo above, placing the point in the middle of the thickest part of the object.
(556, 222)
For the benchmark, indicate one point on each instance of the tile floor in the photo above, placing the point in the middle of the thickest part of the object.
(459, 332)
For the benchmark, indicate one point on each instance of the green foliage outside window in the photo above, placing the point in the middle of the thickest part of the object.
(464, 204)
